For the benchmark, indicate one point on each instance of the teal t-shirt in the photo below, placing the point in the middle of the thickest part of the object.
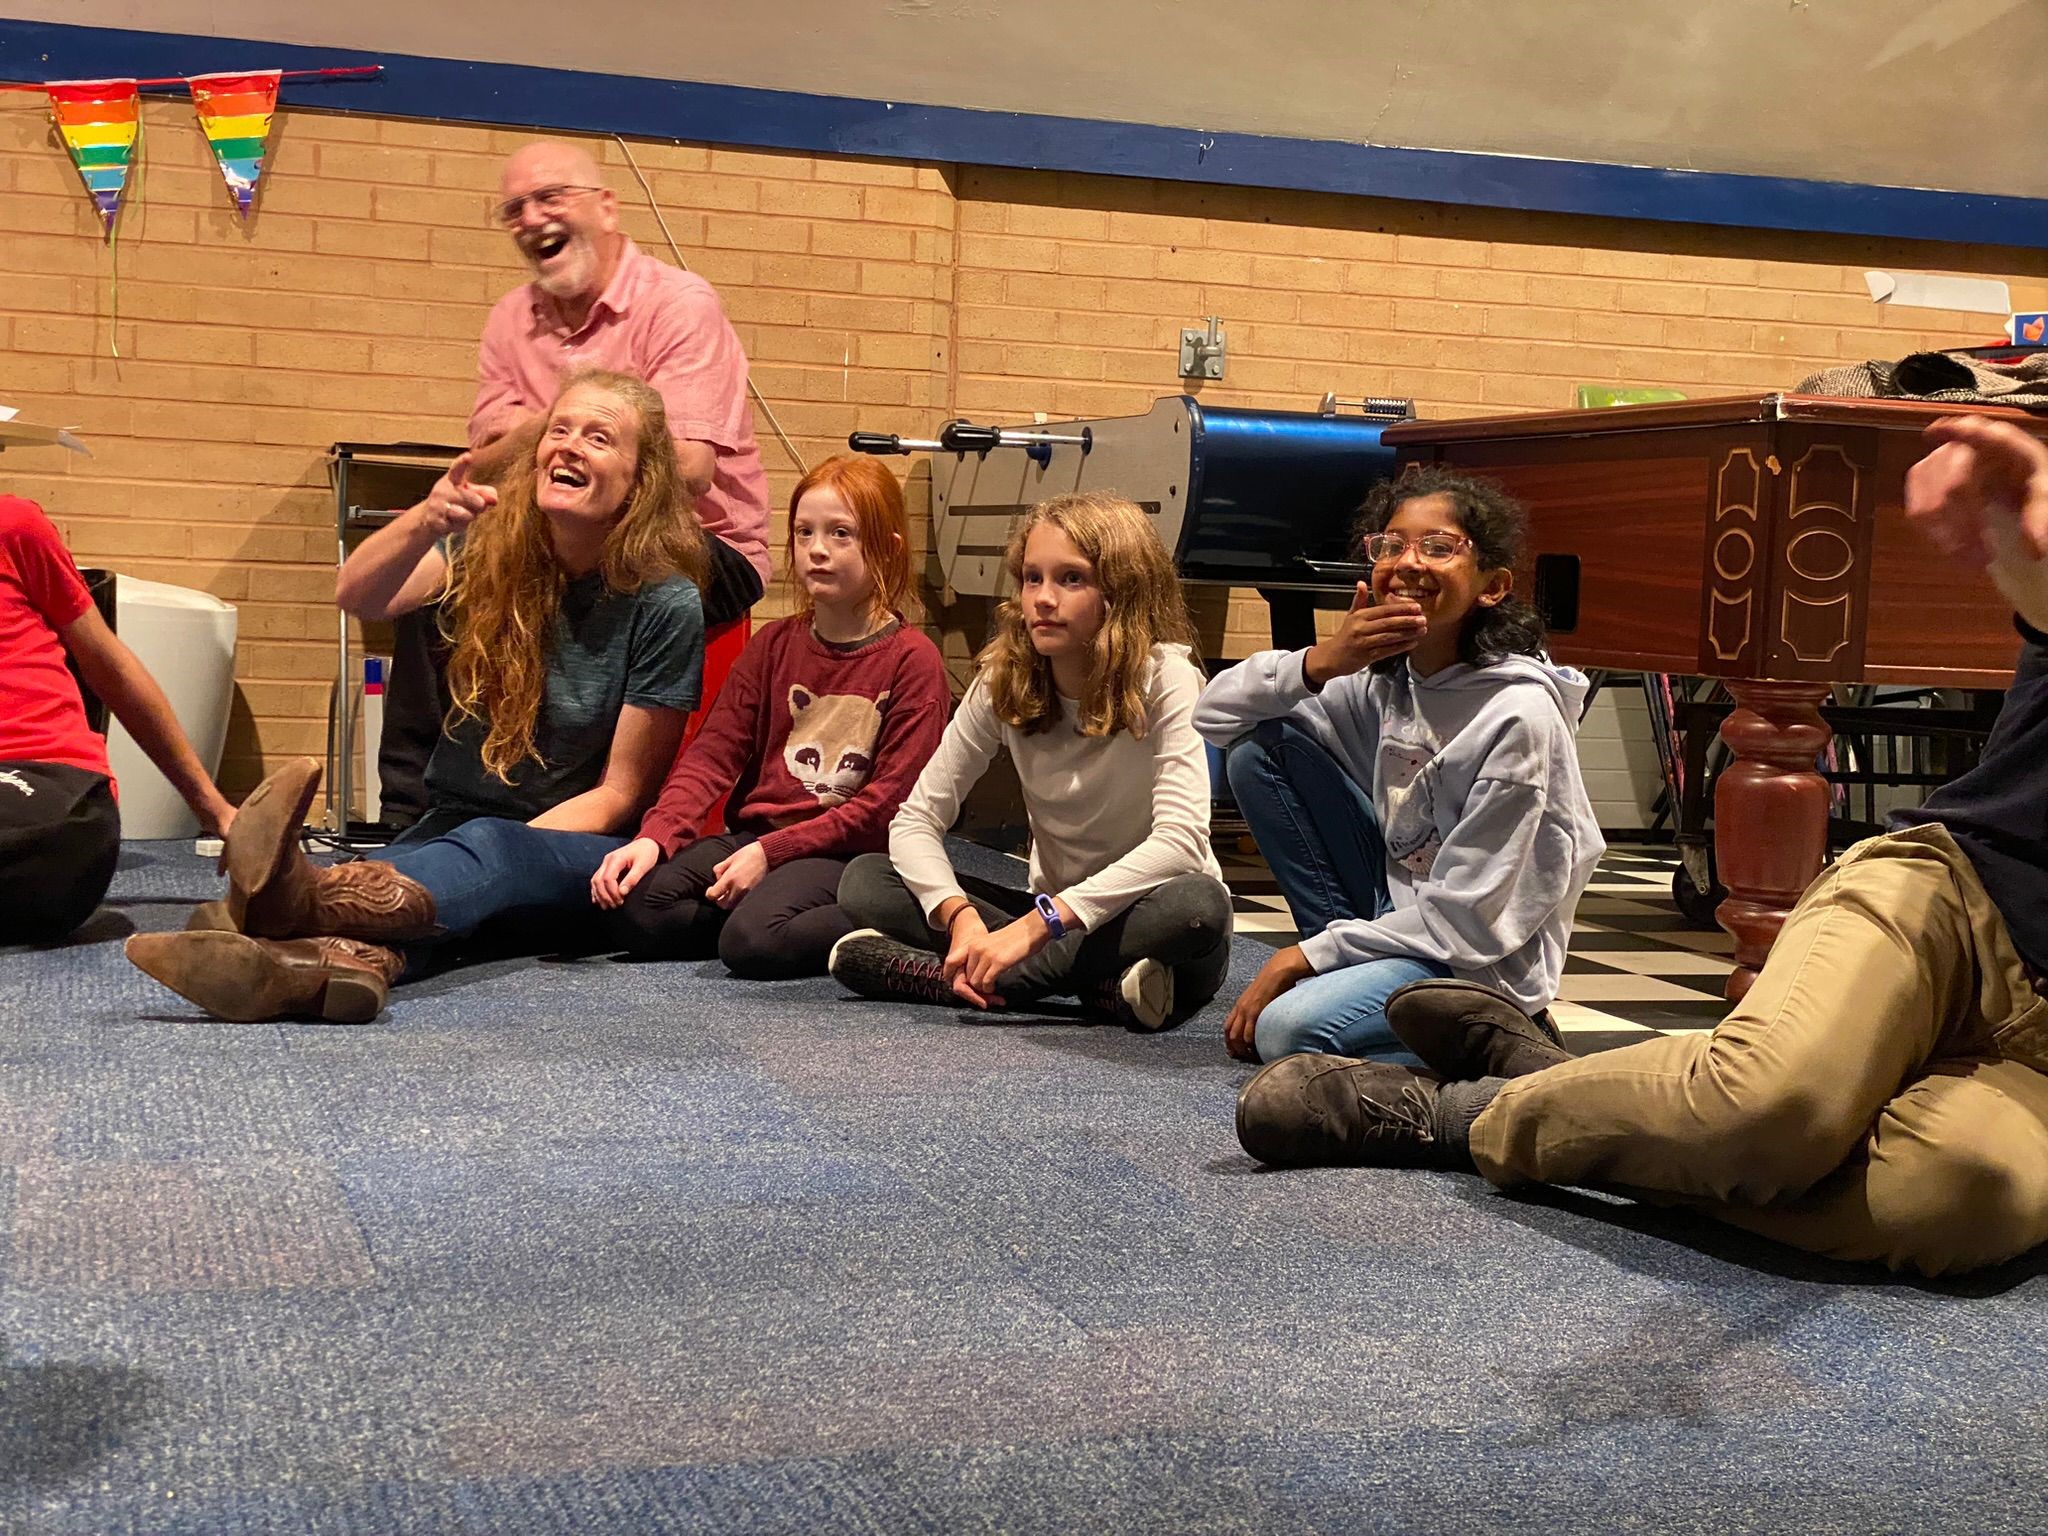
(610, 649)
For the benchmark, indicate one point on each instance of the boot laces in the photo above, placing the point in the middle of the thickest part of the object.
(1406, 1117)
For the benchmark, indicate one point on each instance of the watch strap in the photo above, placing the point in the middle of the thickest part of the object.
(1051, 914)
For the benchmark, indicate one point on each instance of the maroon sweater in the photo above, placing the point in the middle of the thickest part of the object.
(818, 744)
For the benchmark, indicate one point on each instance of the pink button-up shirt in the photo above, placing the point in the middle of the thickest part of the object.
(667, 326)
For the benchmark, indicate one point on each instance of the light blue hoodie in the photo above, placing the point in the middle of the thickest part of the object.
(1475, 776)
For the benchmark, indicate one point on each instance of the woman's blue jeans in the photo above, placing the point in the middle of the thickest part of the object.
(1316, 826)
(489, 868)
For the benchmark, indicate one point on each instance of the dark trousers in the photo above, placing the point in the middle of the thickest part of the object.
(785, 926)
(60, 836)
(1184, 924)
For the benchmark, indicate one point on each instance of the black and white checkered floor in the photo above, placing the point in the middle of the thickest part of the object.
(1636, 967)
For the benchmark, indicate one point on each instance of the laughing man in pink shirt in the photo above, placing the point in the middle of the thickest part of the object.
(597, 301)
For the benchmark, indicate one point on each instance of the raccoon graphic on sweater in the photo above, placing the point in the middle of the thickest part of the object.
(831, 745)
(812, 746)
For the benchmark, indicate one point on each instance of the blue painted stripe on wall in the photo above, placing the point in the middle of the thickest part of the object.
(563, 100)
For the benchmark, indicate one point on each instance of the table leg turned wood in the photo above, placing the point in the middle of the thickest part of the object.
(1770, 814)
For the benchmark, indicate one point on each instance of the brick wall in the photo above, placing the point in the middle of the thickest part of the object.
(879, 294)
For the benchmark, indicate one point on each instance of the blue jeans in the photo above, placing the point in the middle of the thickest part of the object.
(490, 867)
(1321, 837)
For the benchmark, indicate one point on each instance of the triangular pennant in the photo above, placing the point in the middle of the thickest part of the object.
(99, 122)
(235, 111)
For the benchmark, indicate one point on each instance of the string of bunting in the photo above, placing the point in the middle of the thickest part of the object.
(100, 123)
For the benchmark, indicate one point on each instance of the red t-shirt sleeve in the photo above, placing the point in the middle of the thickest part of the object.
(48, 573)
(42, 717)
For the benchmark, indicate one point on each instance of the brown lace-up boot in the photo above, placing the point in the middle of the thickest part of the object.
(276, 892)
(252, 981)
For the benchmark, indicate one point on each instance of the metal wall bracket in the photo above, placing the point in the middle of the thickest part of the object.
(1202, 353)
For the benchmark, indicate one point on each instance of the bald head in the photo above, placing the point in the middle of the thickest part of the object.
(548, 163)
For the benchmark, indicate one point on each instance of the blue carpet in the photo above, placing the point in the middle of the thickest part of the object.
(582, 1246)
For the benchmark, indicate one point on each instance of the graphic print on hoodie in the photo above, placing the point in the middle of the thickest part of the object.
(1410, 830)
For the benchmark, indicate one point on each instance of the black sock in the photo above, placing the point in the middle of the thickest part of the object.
(1457, 1106)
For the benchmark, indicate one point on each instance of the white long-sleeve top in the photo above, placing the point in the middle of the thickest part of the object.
(1112, 817)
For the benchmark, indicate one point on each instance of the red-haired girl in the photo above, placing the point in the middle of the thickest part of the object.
(818, 734)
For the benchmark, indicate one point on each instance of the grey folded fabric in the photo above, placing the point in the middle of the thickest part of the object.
(1948, 378)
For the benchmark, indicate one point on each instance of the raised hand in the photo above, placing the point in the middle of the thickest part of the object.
(456, 501)
(1985, 478)
(1370, 632)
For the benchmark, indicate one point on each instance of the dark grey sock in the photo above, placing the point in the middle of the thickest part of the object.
(1457, 1106)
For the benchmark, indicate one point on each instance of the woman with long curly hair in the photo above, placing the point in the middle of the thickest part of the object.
(571, 594)
(1090, 685)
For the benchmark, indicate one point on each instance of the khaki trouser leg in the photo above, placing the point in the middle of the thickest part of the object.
(1953, 1176)
(1894, 958)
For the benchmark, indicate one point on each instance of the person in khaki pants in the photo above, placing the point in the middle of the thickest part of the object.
(1881, 1093)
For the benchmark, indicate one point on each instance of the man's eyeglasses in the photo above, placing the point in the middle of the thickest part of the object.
(1435, 548)
(546, 200)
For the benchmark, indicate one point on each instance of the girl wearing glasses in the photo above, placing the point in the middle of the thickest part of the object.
(1412, 781)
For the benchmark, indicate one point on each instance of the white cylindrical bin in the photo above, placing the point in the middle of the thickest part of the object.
(187, 641)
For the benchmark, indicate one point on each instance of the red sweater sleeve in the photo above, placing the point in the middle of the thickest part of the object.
(707, 767)
(919, 701)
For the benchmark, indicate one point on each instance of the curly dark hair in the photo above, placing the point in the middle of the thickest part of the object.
(1497, 526)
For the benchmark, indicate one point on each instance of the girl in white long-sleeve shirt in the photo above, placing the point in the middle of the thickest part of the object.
(1090, 686)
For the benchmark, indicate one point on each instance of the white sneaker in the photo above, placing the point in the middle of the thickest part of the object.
(1145, 992)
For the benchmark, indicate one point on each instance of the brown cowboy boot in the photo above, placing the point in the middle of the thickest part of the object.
(252, 981)
(369, 900)
(268, 876)
(276, 892)
(212, 914)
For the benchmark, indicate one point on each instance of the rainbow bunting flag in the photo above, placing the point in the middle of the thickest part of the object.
(235, 111)
(99, 122)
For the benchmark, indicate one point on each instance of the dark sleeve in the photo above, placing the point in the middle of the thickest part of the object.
(665, 665)
(919, 700)
(708, 766)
